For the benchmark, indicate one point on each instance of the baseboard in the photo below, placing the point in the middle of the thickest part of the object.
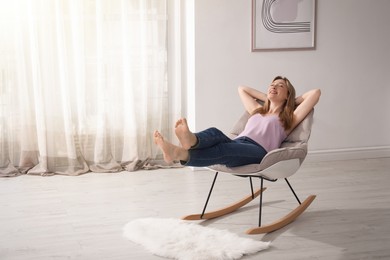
(348, 154)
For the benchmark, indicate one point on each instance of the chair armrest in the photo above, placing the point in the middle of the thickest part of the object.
(271, 158)
(282, 154)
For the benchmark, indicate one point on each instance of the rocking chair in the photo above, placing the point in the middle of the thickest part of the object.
(279, 163)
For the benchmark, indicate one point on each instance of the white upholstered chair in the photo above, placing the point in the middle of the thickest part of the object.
(277, 164)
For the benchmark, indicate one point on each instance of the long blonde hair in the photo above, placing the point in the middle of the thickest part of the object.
(286, 116)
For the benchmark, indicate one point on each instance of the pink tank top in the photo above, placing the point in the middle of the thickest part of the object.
(267, 131)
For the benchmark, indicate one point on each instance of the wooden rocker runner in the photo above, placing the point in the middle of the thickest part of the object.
(277, 164)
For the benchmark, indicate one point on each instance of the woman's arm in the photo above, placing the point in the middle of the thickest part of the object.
(305, 104)
(249, 96)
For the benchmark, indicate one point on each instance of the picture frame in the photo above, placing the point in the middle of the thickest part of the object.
(283, 24)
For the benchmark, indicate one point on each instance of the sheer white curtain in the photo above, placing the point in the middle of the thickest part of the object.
(83, 84)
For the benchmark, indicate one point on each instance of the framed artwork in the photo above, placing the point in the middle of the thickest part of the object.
(283, 24)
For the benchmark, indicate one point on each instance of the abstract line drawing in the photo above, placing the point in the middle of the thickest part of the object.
(283, 24)
(285, 27)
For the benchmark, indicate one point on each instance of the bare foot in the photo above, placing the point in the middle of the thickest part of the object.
(170, 151)
(186, 137)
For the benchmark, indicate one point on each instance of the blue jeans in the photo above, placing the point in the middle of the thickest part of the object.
(214, 147)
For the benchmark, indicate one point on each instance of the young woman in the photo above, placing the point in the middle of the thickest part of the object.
(265, 130)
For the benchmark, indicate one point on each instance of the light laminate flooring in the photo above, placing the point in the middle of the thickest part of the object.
(62, 217)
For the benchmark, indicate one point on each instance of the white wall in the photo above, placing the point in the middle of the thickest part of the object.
(351, 65)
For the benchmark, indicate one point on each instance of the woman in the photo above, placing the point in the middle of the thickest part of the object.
(265, 130)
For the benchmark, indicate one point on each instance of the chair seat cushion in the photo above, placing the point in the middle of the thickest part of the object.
(285, 153)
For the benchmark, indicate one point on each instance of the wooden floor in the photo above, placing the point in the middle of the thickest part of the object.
(82, 217)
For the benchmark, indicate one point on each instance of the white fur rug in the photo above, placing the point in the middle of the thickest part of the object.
(179, 239)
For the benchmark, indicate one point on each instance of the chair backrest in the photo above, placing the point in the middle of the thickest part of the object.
(239, 126)
(301, 133)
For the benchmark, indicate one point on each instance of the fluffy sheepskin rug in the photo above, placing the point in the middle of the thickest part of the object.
(179, 239)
